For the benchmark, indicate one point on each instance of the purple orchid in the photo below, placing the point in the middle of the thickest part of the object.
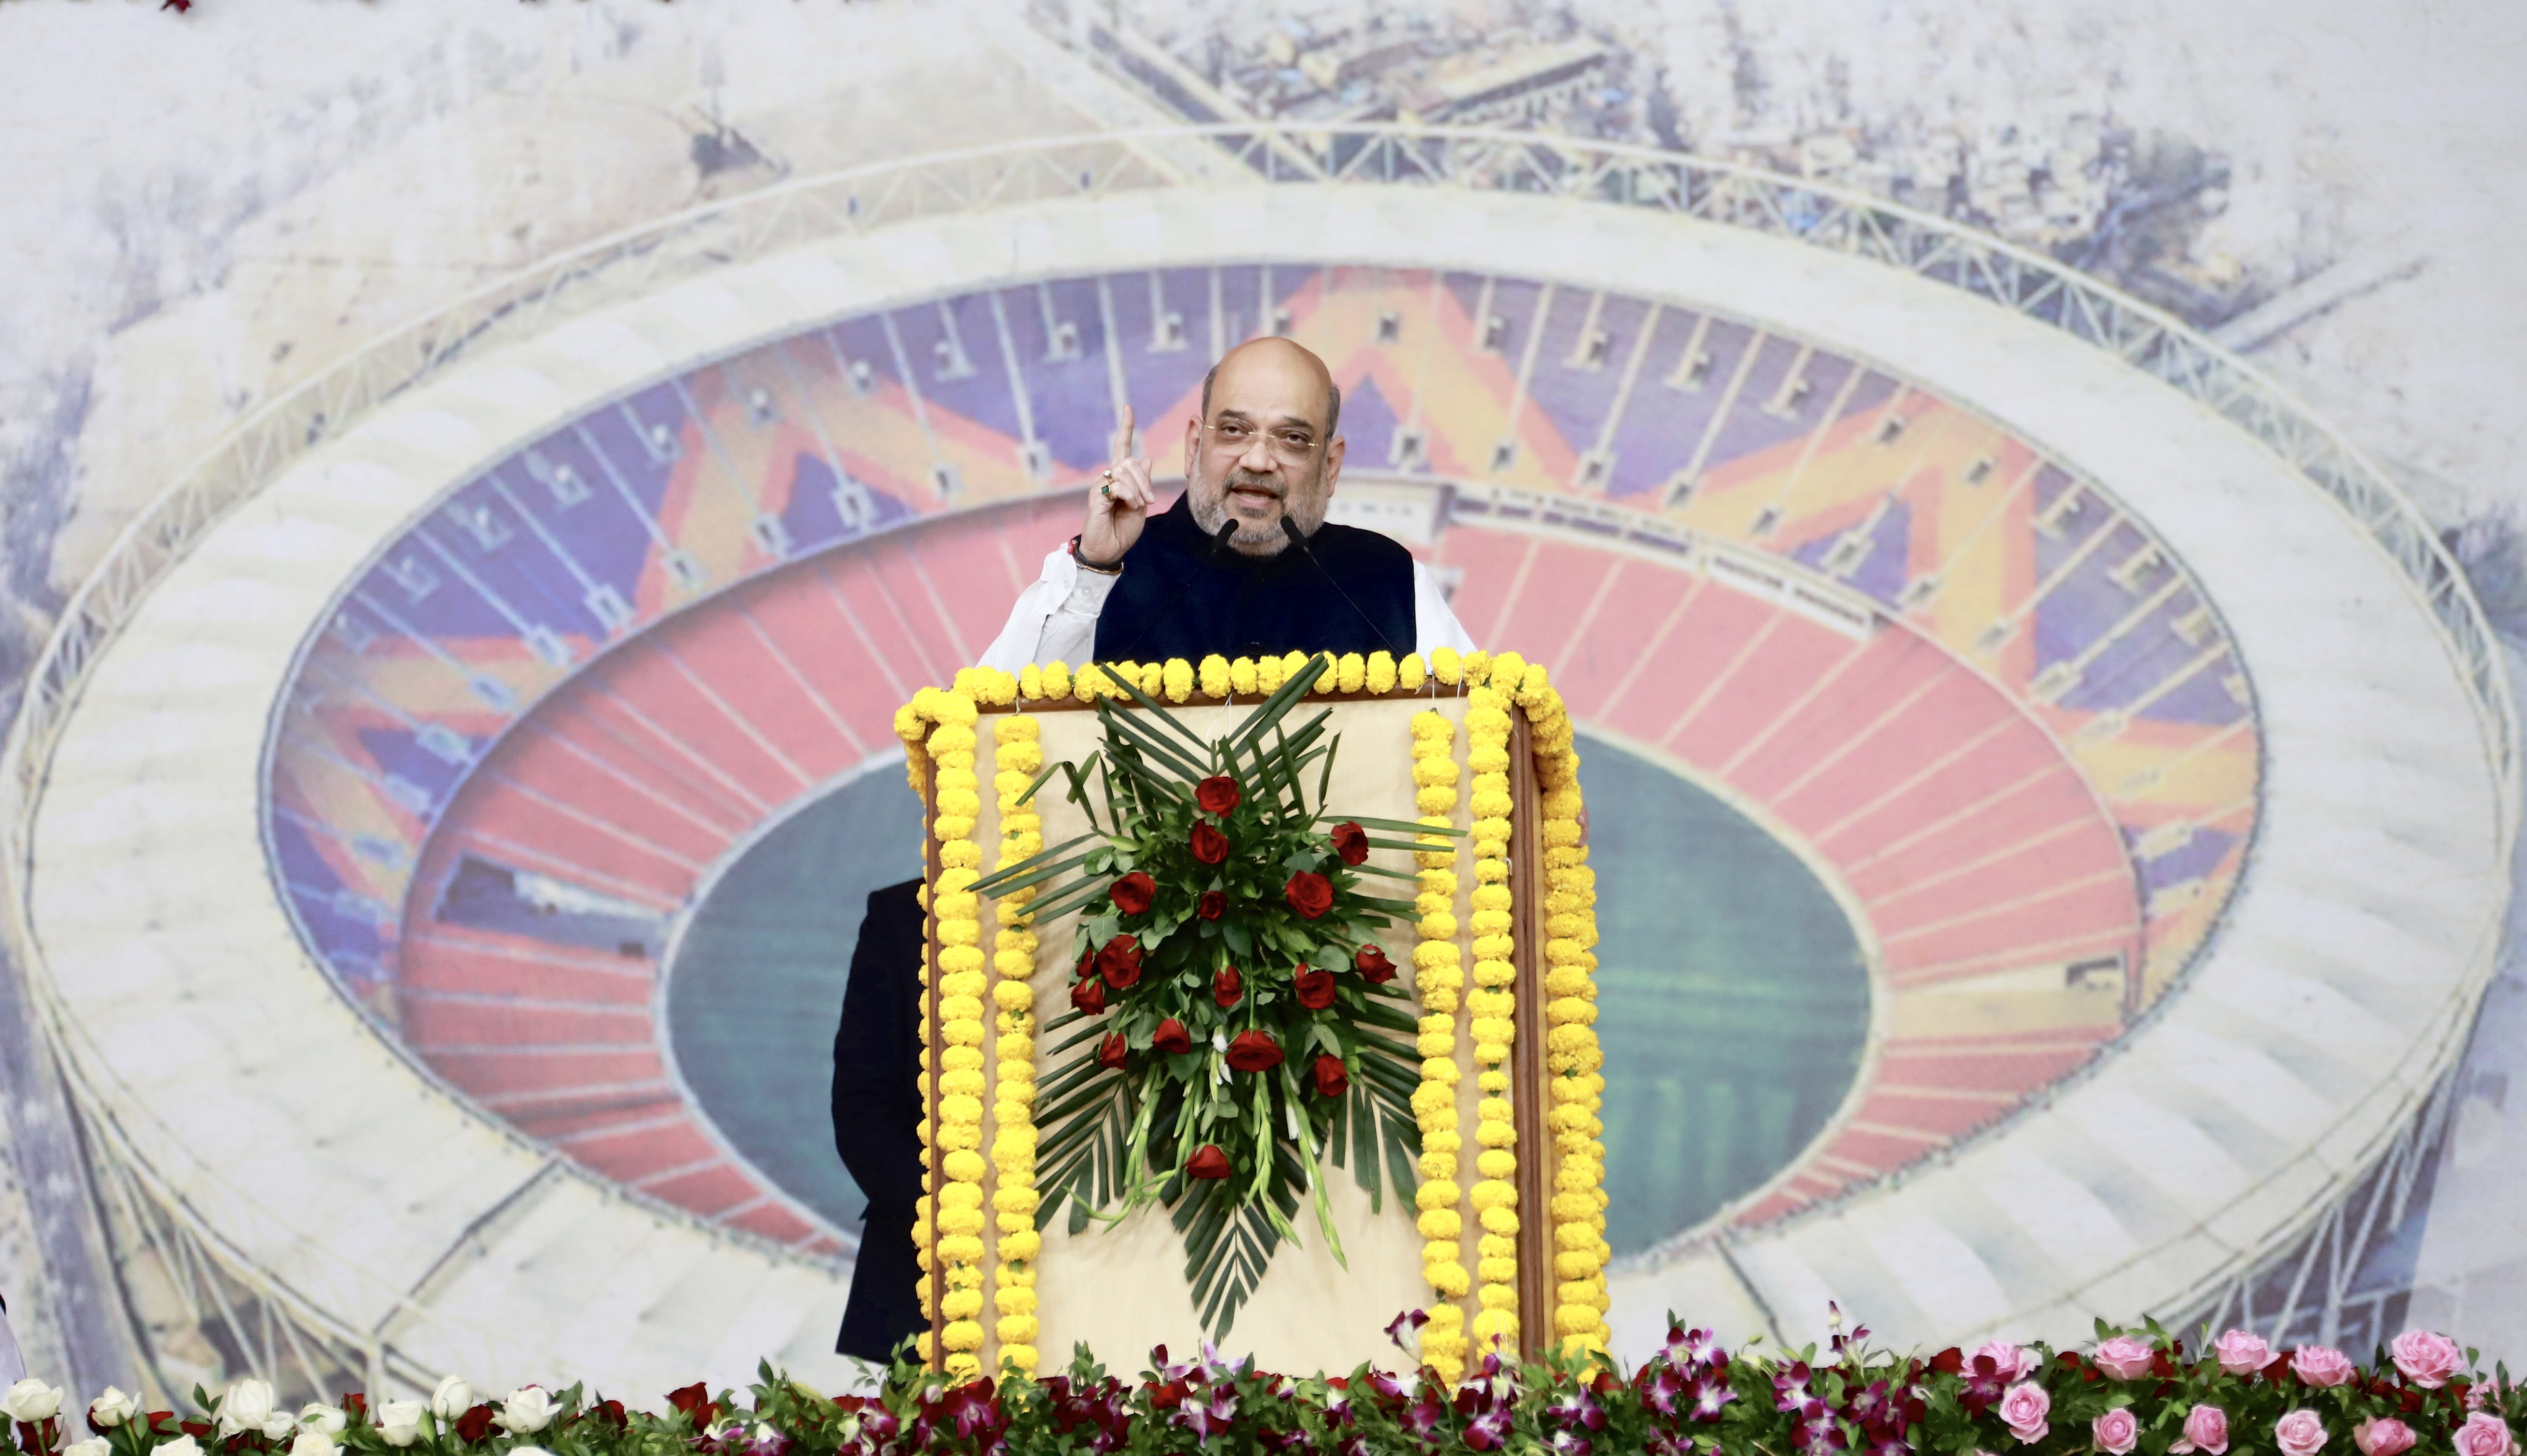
(1488, 1431)
(1408, 1322)
(1790, 1387)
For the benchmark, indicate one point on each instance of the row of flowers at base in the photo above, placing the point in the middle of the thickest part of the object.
(2135, 1392)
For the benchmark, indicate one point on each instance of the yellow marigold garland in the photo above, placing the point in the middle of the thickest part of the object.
(1439, 977)
(1573, 1058)
(1490, 1008)
(948, 1220)
(1015, 760)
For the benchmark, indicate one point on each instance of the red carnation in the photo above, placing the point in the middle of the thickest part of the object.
(1373, 964)
(1309, 894)
(1207, 1162)
(1331, 1079)
(1316, 987)
(1089, 996)
(1254, 1051)
(1350, 842)
(1132, 893)
(1170, 1038)
(1228, 987)
(475, 1424)
(1210, 846)
(1217, 794)
(1120, 962)
(1112, 1053)
(1213, 904)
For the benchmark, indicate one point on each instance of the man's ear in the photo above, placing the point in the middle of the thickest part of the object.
(1193, 445)
(1333, 462)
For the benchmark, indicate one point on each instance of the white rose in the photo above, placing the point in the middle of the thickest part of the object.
(328, 1418)
(111, 1409)
(31, 1401)
(95, 1445)
(399, 1421)
(312, 1443)
(451, 1399)
(528, 1410)
(528, 1451)
(248, 1406)
(183, 1445)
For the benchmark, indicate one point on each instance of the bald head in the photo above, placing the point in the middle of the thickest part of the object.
(1265, 446)
(1288, 353)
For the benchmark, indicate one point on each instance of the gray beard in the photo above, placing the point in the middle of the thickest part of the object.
(1250, 539)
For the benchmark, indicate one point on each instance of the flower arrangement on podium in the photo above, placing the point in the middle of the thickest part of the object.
(1233, 1018)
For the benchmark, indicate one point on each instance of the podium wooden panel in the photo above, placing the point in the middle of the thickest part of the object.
(1121, 1288)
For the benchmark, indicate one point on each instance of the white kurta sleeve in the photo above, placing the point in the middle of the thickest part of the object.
(1434, 626)
(1054, 619)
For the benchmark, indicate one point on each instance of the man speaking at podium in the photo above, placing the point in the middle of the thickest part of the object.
(1245, 565)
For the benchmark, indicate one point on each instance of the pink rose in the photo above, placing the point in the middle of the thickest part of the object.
(2242, 1352)
(2207, 1430)
(2023, 1407)
(2427, 1360)
(2321, 1365)
(2012, 1363)
(2115, 1432)
(2485, 1434)
(2299, 1433)
(2125, 1358)
(2383, 1435)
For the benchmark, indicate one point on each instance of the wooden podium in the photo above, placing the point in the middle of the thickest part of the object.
(1495, 951)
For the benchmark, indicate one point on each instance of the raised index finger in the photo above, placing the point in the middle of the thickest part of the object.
(1123, 436)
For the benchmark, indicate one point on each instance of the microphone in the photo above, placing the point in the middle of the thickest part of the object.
(1218, 543)
(1299, 539)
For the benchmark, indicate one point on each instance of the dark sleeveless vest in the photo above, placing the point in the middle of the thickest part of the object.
(1350, 591)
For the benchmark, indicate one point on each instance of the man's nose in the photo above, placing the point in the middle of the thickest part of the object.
(1258, 457)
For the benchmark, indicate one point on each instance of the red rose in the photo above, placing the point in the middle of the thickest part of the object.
(475, 1424)
(1311, 895)
(1120, 962)
(1350, 842)
(1254, 1051)
(1170, 1038)
(1315, 988)
(1112, 1053)
(1331, 1079)
(694, 1402)
(1210, 846)
(1089, 996)
(611, 1412)
(1212, 906)
(1373, 964)
(1132, 893)
(1228, 987)
(1207, 1162)
(1217, 794)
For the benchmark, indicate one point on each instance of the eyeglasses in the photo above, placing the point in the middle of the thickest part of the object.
(1289, 443)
